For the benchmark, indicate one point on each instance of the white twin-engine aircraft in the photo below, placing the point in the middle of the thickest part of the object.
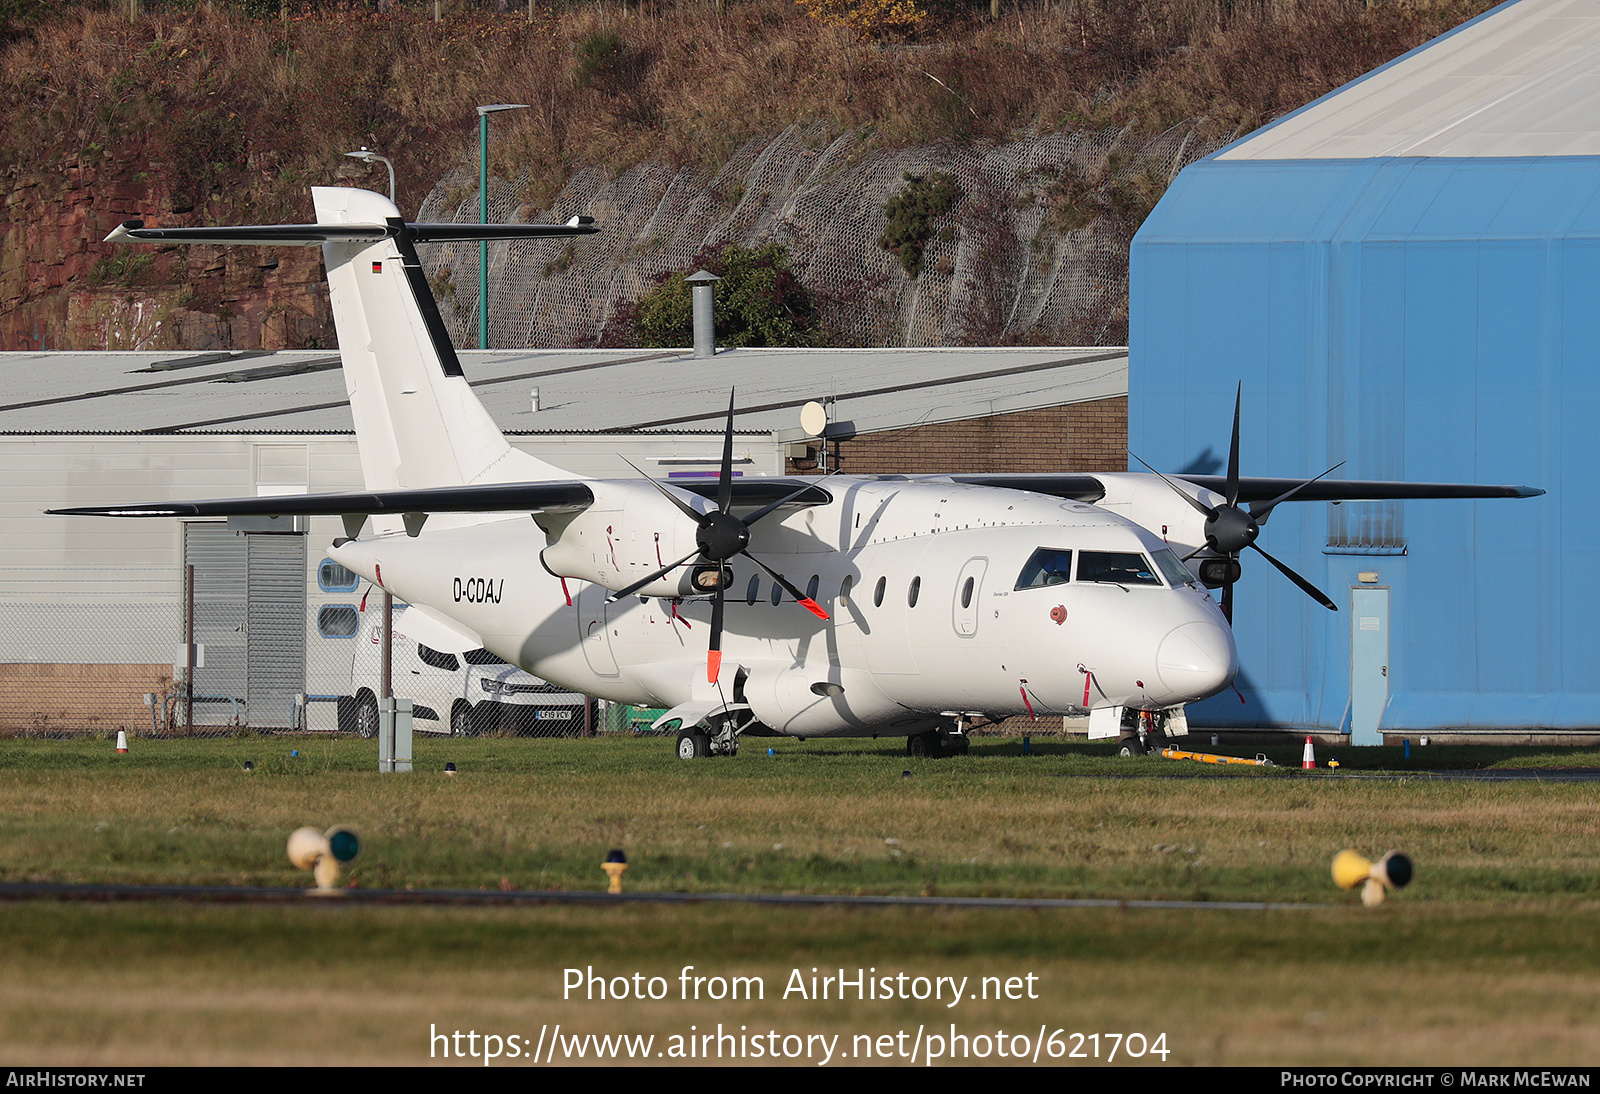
(928, 601)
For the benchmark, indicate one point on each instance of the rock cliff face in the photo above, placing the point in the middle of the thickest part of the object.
(61, 288)
(1033, 251)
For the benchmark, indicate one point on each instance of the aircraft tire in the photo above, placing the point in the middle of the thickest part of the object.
(693, 745)
(366, 715)
(1130, 746)
(923, 744)
(462, 722)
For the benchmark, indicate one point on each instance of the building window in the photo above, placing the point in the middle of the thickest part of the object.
(338, 620)
(334, 578)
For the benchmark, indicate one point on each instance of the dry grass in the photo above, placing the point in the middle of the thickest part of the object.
(1488, 958)
(240, 113)
(813, 818)
(151, 985)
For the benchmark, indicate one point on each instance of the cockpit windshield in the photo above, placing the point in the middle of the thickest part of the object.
(1053, 566)
(1116, 567)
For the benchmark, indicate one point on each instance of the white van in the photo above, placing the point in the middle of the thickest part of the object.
(460, 694)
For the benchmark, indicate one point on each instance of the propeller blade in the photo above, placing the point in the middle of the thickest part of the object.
(714, 653)
(725, 476)
(1259, 513)
(801, 598)
(1227, 602)
(637, 585)
(1233, 449)
(684, 507)
(1309, 589)
(1199, 506)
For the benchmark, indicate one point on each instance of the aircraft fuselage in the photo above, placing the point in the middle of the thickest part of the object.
(931, 612)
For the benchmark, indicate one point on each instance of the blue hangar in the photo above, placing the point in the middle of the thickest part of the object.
(1405, 276)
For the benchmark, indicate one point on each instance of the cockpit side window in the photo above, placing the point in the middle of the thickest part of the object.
(1046, 566)
(1171, 568)
(1116, 567)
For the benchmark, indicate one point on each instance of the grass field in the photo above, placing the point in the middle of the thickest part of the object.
(1490, 957)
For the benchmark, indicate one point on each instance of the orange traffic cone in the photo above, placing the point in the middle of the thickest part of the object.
(1308, 759)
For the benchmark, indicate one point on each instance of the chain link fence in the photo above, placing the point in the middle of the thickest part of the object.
(92, 670)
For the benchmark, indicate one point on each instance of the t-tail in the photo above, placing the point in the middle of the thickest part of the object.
(418, 423)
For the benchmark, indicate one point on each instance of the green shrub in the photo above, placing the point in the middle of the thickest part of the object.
(760, 302)
(911, 214)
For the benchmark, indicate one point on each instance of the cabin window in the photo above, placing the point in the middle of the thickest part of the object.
(966, 591)
(777, 593)
(753, 593)
(913, 592)
(811, 586)
(1116, 567)
(1046, 566)
(844, 591)
(877, 593)
(338, 620)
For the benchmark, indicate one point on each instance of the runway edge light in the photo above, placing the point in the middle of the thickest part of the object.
(1351, 868)
(324, 854)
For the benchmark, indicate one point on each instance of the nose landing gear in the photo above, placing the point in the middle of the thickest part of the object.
(1143, 732)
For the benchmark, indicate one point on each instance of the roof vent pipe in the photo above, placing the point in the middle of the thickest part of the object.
(705, 323)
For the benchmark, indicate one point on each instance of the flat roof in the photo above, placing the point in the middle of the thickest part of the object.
(580, 391)
(1520, 80)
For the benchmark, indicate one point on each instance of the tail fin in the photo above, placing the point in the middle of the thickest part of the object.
(418, 424)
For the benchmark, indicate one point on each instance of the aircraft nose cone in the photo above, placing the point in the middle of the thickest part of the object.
(1197, 659)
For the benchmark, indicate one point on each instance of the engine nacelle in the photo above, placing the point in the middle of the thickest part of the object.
(798, 701)
(629, 531)
(1151, 503)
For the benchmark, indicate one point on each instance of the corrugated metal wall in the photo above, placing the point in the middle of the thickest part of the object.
(1430, 319)
(250, 614)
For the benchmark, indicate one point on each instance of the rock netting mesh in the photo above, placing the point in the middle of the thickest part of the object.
(1004, 267)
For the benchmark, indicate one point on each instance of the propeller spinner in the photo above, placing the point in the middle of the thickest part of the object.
(1230, 530)
(720, 536)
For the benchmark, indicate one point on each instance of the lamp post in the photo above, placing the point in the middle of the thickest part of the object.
(367, 157)
(483, 213)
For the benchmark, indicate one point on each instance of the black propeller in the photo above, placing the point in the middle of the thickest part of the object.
(1230, 530)
(719, 536)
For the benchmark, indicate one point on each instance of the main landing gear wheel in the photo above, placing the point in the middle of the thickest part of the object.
(366, 716)
(937, 744)
(693, 745)
(1130, 746)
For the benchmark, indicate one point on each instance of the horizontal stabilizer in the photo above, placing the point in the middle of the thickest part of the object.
(309, 235)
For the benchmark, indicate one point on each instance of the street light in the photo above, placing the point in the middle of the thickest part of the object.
(483, 213)
(367, 157)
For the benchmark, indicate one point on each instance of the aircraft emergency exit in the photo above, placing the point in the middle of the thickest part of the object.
(840, 606)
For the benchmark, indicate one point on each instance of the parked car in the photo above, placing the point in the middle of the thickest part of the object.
(463, 695)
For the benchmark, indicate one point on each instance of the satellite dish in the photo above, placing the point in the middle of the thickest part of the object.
(813, 419)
